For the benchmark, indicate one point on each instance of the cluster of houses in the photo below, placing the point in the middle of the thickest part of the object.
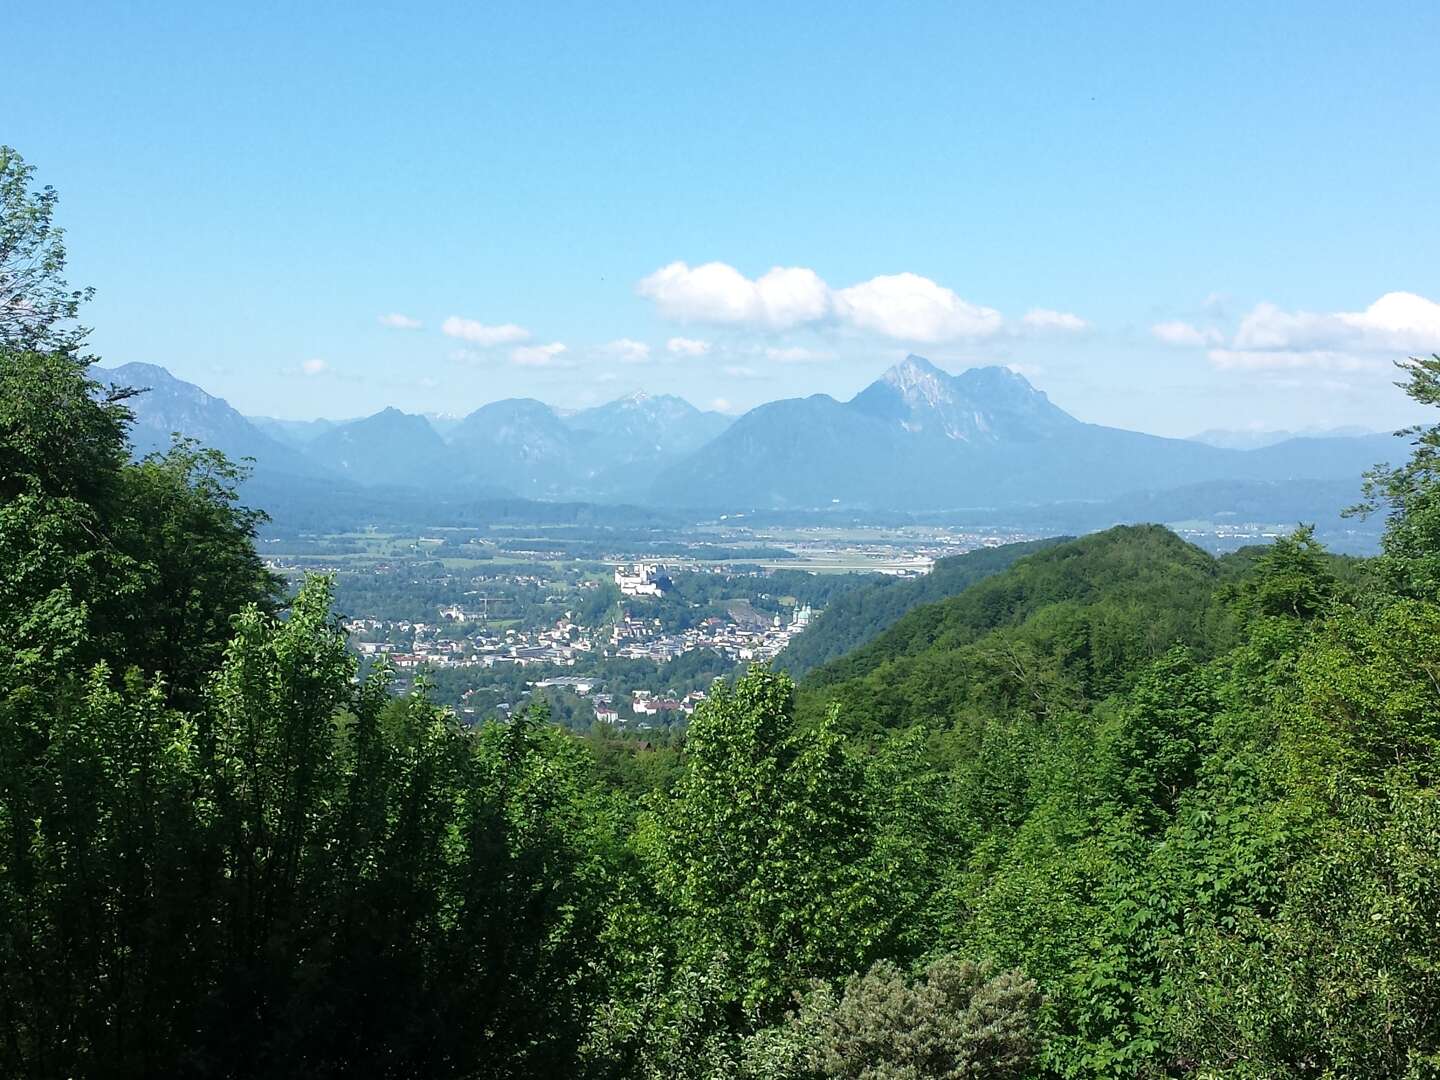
(561, 644)
(566, 642)
(638, 639)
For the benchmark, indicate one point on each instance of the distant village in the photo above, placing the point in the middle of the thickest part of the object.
(744, 635)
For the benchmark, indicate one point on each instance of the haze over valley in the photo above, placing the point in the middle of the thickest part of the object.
(982, 446)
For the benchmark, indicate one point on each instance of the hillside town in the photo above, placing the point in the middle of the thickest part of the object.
(565, 643)
(461, 639)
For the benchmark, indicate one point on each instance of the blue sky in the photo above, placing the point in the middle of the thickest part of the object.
(1170, 217)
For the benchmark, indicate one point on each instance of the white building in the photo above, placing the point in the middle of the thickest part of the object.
(643, 579)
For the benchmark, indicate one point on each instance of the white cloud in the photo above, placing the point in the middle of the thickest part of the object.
(1268, 327)
(679, 346)
(1400, 318)
(627, 350)
(1046, 319)
(716, 292)
(314, 366)
(913, 308)
(480, 334)
(1270, 337)
(1398, 321)
(1183, 333)
(722, 405)
(396, 321)
(538, 355)
(792, 295)
(740, 371)
(906, 307)
(796, 354)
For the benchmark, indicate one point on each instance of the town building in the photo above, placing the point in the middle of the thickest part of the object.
(643, 579)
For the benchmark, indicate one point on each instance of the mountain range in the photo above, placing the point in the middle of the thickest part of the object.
(918, 439)
(1256, 439)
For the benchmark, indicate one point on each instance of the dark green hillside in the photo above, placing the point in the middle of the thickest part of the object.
(1081, 615)
(858, 616)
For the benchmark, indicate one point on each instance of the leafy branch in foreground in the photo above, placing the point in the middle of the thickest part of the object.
(36, 302)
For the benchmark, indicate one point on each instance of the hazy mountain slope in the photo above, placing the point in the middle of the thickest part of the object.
(644, 426)
(1325, 457)
(390, 448)
(799, 452)
(520, 443)
(296, 433)
(921, 439)
(171, 405)
(979, 406)
(856, 617)
(620, 445)
(1246, 439)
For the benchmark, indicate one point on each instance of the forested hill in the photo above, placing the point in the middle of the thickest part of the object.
(1082, 616)
(857, 616)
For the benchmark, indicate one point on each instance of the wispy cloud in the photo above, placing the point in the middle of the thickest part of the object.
(1048, 320)
(1184, 333)
(797, 354)
(680, 346)
(627, 350)
(314, 366)
(1272, 338)
(539, 355)
(478, 333)
(396, 321)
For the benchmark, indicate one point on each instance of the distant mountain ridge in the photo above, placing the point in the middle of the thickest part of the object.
(389, 448)
(978, 406)
(920, 438)
(917, 440)
(1254, 439)
(518, 446)
(170, 405)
